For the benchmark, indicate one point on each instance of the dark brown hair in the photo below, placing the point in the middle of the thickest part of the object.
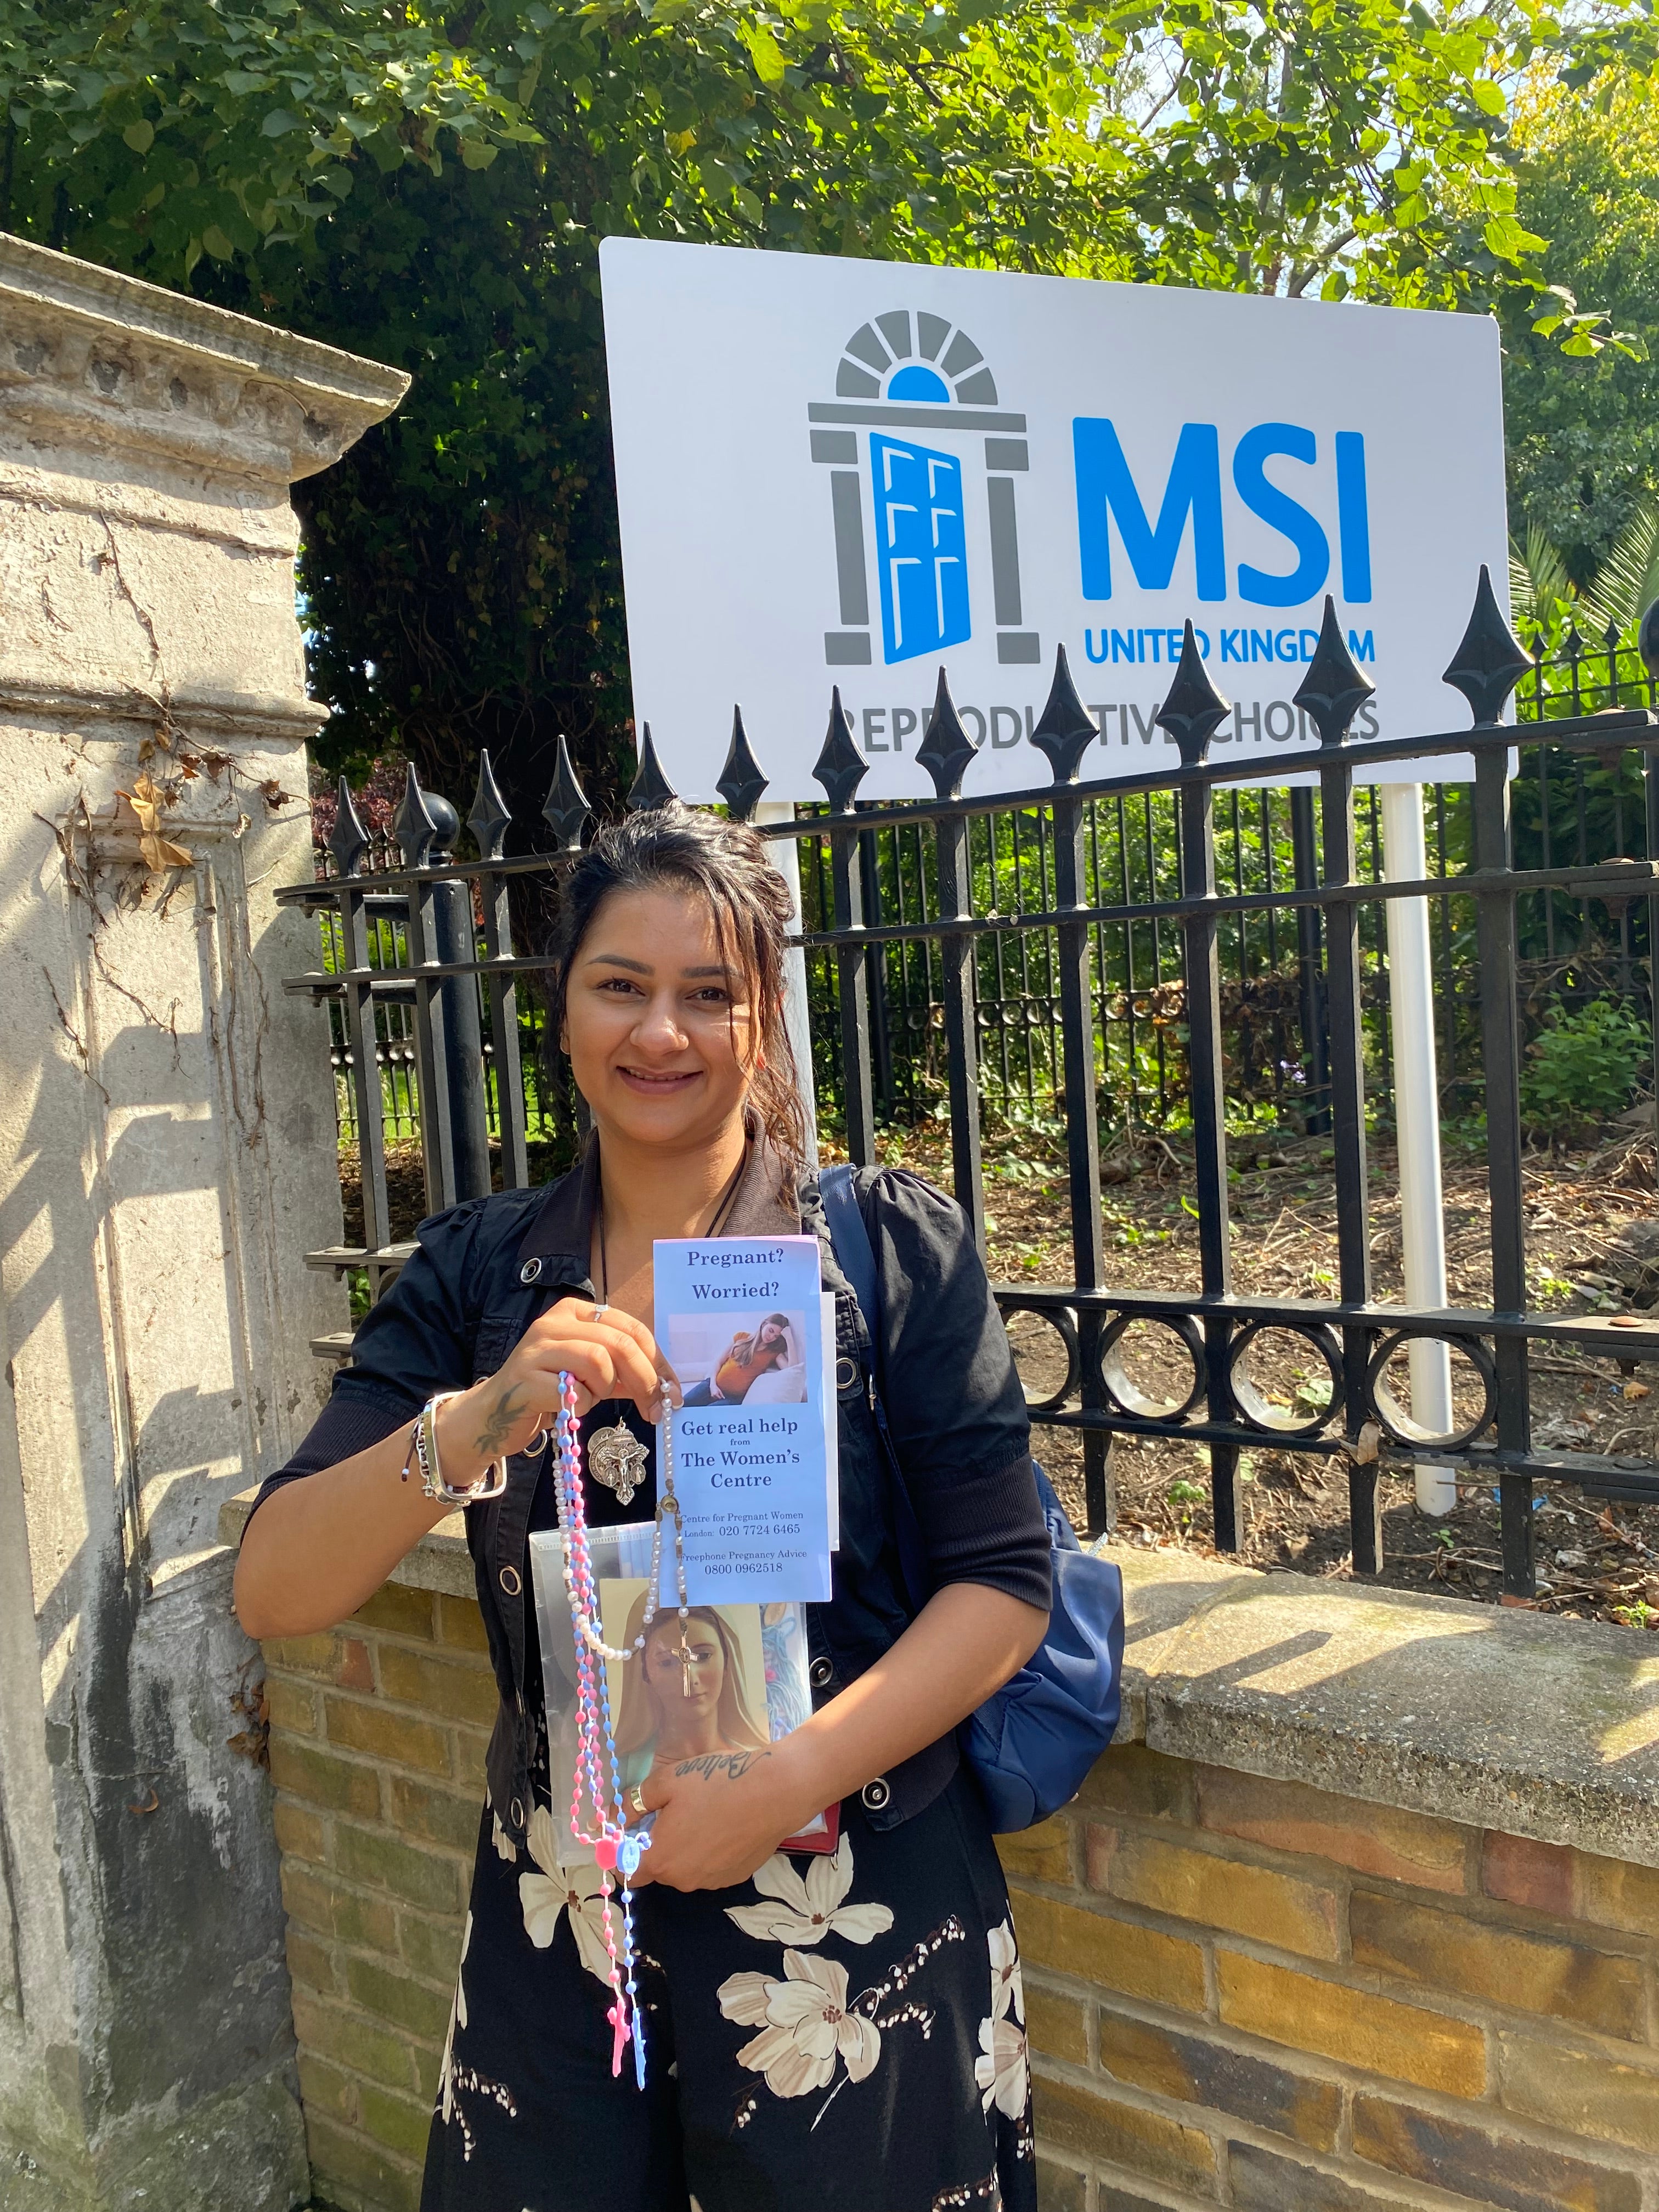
(725, 864)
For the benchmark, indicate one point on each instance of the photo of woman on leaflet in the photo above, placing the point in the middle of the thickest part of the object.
(685, 1697)
(765, 1351)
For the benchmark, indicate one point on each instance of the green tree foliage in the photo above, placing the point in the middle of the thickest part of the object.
(1583, 432)
(429, 189)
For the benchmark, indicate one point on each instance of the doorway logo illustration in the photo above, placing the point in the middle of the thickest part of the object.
(921, 548)
(905, 379)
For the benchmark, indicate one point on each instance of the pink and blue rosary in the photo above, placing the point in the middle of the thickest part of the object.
(617, 1848)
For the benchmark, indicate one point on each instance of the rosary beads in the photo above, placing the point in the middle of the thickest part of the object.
(598, 1779)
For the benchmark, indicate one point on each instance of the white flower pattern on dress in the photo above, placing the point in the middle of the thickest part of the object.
(806, 2025)
(811, 2030)
(578, 1890)
(1002, 2070)
(505, 1847)
(805, 1912)
(456, 2018)
(452, 2078)
(1007, 1985)
(1001, 2067)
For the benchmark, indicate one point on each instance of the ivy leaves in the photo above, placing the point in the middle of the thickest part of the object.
(150, 134)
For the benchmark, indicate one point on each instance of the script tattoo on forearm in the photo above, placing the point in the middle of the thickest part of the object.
(498, 1421)
(713, 1764)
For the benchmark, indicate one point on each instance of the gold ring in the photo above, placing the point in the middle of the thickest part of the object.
(637, 1801)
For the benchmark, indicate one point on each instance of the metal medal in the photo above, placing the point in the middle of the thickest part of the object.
(617, 1458)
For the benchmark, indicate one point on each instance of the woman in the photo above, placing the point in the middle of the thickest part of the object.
(750, 1354)
(796, 2035)
(682, 1697)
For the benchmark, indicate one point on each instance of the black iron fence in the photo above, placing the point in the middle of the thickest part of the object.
(1186, 1365)
(1566, 806)
(1571, 948)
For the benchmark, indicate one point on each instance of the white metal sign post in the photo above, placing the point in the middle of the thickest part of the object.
(853, 472)
(1417, 1123)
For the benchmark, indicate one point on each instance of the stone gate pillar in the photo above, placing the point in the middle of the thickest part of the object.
(167, 1157)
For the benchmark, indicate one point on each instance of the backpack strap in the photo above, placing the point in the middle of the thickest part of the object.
(849, 1239)
(849, 1236)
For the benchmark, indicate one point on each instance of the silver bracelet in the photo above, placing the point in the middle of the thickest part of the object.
(490, 1484)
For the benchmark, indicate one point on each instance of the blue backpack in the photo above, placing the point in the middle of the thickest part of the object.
(1030, 1746)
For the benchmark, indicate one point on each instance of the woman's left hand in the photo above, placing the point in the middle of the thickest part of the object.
(721, 1815)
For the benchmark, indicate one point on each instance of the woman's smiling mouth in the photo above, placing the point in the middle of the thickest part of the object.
(658, 1086)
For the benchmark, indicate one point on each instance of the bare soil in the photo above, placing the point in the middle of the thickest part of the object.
(1592, 1244)
(1592, 1247)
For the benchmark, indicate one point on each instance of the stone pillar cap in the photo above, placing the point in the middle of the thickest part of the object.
(90, 356)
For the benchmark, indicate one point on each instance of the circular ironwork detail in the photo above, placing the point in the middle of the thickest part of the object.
(1258, 1411)
(1124, 1395)
(1391, 1417)
(1062, 1320)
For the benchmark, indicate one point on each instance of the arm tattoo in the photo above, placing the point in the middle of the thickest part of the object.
(501, 1417)
(712, 1764)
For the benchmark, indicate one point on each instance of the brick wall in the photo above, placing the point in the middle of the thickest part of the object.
(377, 1748)
(1258, 1992)
(1240, 1991)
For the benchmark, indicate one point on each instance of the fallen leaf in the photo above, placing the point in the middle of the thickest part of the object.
(146, 801)
(161, 852)
(1635, 1390)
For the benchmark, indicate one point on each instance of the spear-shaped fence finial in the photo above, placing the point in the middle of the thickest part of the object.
(651, 787)
(1335, 688)
(416, 825)
(840, 766)
(565, 810)
(348, 840)
(1490, 660)
(491, 817)
(1065, 730)
(742, 780)
(946, 750)
(1193, 709)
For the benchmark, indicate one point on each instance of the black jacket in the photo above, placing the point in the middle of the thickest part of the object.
(484, 1271)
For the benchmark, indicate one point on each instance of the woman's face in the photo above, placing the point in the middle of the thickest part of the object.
(770, 1334)
(667, 1673)
(660, 1029)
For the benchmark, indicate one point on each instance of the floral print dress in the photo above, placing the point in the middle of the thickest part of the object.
(841, 2034)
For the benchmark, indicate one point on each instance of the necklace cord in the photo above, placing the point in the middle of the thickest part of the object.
(723, 1206)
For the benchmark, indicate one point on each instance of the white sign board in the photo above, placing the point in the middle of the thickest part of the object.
(854, 472)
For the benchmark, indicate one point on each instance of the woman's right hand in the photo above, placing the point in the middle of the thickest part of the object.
(610, 1354)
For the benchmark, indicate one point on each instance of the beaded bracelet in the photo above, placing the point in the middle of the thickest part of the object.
(490, 1484)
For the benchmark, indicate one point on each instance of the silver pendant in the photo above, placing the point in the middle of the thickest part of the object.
(617, 1458)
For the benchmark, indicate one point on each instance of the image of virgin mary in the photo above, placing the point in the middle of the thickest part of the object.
(682, 1698)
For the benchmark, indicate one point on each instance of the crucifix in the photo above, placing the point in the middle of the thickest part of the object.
(684, 1653)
